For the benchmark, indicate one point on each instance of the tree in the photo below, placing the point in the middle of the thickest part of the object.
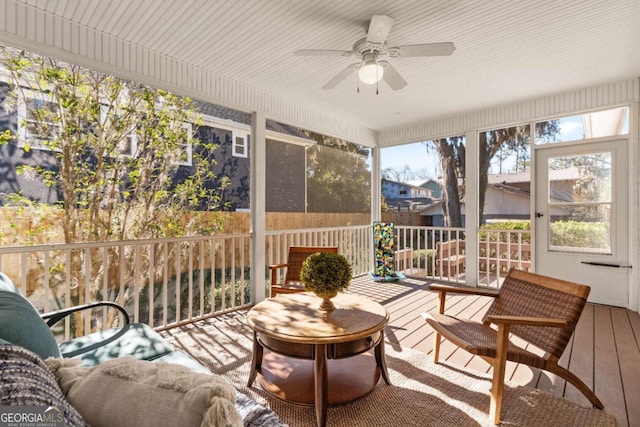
(451, 153)
(339, 179)
(452, 157)
(399, 174)
(116, 146)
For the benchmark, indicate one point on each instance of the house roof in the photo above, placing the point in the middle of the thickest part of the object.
(567, 174)
(413, 204)
(404, 184)
(240, 54)
(230, 114)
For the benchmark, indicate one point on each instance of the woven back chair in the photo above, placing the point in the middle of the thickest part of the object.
(540, 310)
(295, 258)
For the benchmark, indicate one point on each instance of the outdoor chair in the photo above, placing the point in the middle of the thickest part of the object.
(297, 255)
(540, 310)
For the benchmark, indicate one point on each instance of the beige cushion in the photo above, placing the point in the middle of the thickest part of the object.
(132, 392)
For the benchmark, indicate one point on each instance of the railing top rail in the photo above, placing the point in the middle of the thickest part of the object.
(316, 230)
(90, 245)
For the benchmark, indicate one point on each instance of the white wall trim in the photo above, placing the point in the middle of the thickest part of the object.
(28, 27)
(593, 98)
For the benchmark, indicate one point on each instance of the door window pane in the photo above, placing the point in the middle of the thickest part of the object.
(580, 203)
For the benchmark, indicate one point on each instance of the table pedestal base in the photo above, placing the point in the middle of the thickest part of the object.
(291, 379)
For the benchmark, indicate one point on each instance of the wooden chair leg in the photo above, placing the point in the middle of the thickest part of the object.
(499, 367)
(436, 347)
(437, 338)
(577, 383)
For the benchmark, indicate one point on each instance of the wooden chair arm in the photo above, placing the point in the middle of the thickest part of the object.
(276, 266)
(530, 321)
(274, 272)
(461, 290)
(444, 289)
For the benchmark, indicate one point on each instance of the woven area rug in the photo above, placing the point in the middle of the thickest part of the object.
(422, 394)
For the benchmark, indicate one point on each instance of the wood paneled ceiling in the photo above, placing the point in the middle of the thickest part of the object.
(506, 51)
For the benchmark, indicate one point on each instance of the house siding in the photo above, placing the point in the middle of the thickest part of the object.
(285, 180)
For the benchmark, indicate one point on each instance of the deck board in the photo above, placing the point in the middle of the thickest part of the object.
(605, 348)
(629, 359)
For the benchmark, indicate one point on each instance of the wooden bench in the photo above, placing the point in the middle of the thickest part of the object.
(403, 259)
(499, 258)
(450, 258)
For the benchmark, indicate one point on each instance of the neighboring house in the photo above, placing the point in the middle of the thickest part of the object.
(508, 196)
(404, 197)
(394, 189)
(228, 129)
(433, 185)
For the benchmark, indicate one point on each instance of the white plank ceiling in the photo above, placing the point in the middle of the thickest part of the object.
(507, 51)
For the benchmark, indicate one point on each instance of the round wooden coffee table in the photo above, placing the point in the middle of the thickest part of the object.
(316, 357)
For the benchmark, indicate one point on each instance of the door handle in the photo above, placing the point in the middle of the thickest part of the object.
(604, 264)
(539, 215)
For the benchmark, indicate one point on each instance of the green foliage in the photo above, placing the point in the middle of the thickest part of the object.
(116, 146)
(325, 273)
(579, 234)
(423, 259)
(338, 176)
(503, 236)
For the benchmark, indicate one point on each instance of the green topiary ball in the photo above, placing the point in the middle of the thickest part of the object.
(325, 273)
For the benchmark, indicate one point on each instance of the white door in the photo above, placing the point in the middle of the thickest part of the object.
(581, 217)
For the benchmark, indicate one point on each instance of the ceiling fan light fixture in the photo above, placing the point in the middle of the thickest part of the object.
(371, 72)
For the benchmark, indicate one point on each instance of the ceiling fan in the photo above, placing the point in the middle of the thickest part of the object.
(371, 48)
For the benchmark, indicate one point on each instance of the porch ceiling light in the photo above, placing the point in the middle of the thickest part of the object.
(370, 72)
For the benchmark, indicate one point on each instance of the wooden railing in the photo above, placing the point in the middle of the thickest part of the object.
(353, 242)
(166, 282)
(440, 253)
(423, 243)
(163, 282)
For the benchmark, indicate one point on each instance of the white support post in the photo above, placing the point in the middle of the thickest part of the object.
(376, 199)
(471, 208)
(258, 172)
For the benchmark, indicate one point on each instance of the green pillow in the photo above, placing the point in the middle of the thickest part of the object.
(7, 285)
(21, 324)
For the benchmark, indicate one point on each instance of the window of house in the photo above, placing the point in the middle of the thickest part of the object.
(36, 124)
(128, 145)
(403, 192)
(186, 155)
(240, 144)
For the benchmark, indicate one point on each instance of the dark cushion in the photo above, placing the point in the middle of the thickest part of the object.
(26, 381)
(21, 324)
(136, 339)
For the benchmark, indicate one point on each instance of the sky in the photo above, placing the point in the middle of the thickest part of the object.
(413, 155)
(418, 158)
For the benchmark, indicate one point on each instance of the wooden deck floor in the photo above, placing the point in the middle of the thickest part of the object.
(604, 351)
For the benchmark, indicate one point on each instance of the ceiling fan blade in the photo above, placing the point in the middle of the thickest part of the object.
(322, 52)
(392, 77)
(379, 28)
(429, 49)
(341, 76)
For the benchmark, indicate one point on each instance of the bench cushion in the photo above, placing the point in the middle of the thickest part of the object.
(128, 391)
(136, 339)
(21, 324)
